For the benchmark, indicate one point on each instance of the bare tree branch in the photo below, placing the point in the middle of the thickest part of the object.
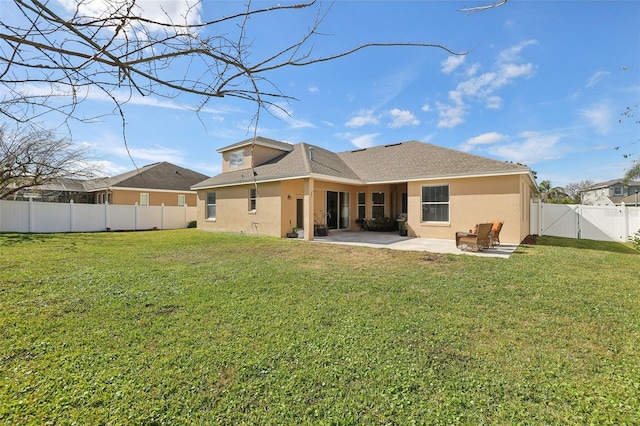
(52, 59)
(31, 156)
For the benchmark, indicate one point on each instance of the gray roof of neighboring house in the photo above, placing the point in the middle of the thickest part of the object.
(411, 160)
(162, 175)
(610, 183)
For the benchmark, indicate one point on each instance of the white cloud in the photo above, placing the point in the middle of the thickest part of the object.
(402, 118)
(483, 87)
(450, 115)
(365, 141)
(494, 102)
(450, 64)
(483, 139)
(529, 148)
(362, 119)
(163, 11)
(287, 115)
(426, 108)
(314, 89)
(473, 70)
(600, 117)
(512, 53)
(595, 78)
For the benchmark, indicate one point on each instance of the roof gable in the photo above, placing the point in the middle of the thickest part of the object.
(266, 142)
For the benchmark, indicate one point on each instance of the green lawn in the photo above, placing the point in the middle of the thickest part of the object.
(188, 327)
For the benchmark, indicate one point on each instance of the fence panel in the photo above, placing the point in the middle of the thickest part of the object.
(560, 220)
(121, 218)
(14, 216)
(89, 217)
(29, 216)
(175, 217)
(633, 217)
(603, 223)
(53, 218)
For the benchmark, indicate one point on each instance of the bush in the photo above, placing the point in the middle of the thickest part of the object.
(193, 224)
(635, 240)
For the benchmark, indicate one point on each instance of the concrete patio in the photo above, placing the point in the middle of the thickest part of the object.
(393, 241)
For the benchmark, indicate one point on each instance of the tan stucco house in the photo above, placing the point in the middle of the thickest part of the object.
(151, 185)
(269, 187)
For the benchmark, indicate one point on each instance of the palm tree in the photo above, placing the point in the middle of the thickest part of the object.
(544, 187)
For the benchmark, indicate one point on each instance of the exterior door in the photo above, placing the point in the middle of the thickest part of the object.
(337, 210)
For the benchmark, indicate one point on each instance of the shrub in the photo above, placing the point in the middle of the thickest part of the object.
(635, 240)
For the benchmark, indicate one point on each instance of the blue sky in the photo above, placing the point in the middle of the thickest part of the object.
(544, 84)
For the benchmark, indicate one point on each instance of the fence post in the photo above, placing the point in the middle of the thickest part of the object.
(162, 216)
(624, 225)
(107, 226)
(31, 213)
(72, 215)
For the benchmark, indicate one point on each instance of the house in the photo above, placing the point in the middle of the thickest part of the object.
(270, 187)
(611, 193)
(151, 185)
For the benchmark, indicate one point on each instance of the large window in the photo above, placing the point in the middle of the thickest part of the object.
(144, 199)
(435, 203)
(377, 205)
(361, 205)
(252, 199)
(211, 205)
(236, 159)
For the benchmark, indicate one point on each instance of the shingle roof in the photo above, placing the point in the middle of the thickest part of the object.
(411, 160)
(162, 175)
(419, 160)
(610, 183)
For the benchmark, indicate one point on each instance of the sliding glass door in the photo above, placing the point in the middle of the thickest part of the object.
(337, 210)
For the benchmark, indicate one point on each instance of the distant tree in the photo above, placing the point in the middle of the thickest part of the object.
(31, 156)
(574, 190)
(56, 54)
(543, 188)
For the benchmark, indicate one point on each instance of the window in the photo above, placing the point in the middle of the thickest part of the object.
(236, 159)
(144, 199)
(435, 203)
(182, 201)
(211, 205)
(252, 199)
(617, 190)
(377, 205)
(361, 205)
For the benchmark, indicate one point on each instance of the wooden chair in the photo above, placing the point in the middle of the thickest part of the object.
(475, 241)
(494, 235)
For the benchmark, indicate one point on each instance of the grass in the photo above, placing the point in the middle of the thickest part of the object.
(188, 327)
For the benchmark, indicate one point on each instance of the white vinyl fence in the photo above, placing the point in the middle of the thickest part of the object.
(603, 223)
(29, 216)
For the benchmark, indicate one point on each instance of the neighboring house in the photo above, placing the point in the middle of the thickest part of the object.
(611, 193)
(270, 187)
(151, 185)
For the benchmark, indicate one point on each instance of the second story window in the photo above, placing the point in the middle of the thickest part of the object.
(236, 159)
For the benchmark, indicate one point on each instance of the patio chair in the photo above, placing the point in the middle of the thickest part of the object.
(494, 235)
(475, 241)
